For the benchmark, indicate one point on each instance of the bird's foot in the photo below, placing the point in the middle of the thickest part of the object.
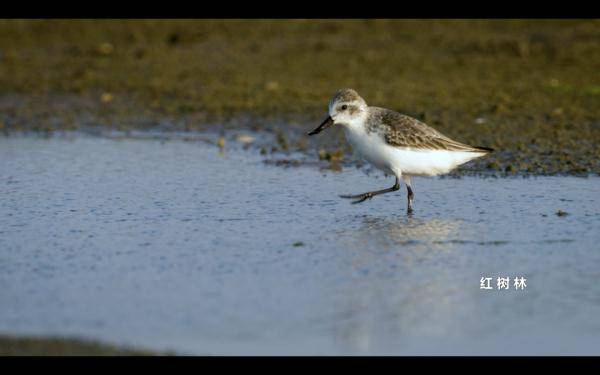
(359, 197)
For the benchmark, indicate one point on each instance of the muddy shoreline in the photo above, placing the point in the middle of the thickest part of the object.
(527, 88)
(293, 148)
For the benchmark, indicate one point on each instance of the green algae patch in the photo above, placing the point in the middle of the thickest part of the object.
(527, 88)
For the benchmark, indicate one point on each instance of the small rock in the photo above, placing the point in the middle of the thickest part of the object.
(323, 154)
(493, 165)
(106, 97)
(245, 139)
(272, 86)
(221, 143)
(105, 48)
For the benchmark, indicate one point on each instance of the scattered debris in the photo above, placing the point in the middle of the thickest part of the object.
(106, 97)
(105, 48)
(245, 139)
(221, 144)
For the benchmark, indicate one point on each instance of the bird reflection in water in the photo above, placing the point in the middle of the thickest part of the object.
(397, 281)
(418, 234)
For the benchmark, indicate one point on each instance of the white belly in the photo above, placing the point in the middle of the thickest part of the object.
(371, 148)
(405, 161)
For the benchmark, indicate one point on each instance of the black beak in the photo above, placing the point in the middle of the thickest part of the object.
(324, 125)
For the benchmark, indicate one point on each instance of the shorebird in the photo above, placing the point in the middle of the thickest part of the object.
(397, 144)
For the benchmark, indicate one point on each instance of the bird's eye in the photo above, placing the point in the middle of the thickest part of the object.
(344, 107)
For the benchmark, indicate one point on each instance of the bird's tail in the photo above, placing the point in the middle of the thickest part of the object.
(484, 149)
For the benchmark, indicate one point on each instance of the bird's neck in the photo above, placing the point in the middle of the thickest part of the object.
(356, 124)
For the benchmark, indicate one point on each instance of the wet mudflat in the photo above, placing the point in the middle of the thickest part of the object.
(176, 246)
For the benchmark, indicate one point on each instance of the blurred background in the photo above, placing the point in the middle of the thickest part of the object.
(529, 88)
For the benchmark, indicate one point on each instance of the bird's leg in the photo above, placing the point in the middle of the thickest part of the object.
(370, 194)
(410, 194)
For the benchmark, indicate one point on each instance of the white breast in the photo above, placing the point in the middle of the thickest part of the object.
(370, 146)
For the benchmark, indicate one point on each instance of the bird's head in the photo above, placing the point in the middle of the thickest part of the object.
(345, 107)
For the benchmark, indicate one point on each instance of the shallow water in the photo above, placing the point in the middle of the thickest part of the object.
(174, 246)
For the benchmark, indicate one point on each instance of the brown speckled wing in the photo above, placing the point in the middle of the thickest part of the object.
(404, 131)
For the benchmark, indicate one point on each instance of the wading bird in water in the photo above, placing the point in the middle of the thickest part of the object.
(395, 143)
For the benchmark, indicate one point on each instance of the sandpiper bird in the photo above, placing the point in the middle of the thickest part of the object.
(395, 143)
